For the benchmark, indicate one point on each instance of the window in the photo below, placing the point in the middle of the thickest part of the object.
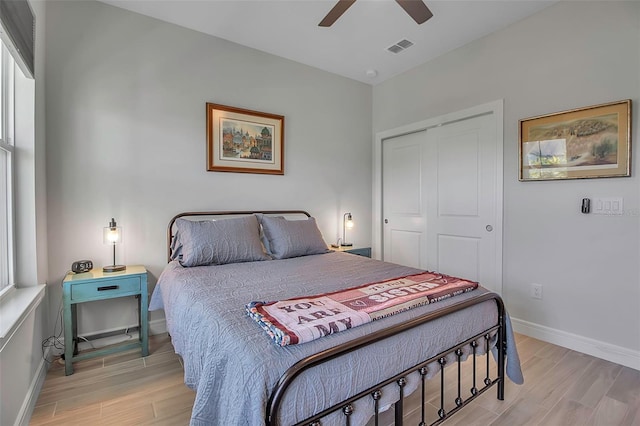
(7, 67)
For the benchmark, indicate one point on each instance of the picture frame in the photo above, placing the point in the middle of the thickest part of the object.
(583, 143)
(244, 141)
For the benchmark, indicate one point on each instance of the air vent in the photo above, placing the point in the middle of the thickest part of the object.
(404, 43)
(400, 46)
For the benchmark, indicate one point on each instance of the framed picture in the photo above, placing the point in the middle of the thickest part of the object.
(589, 142)
(244, 141)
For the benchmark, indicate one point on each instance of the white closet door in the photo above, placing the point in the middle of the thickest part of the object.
(462, 190)
(404, 232)
(439, 200)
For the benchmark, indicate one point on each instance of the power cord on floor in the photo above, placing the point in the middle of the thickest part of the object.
(86, 340)
(126, 332)
(54, 341)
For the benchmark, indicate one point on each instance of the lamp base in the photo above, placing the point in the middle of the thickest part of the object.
(346, 244)
(114, 268)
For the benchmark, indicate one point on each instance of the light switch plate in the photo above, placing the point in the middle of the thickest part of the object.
(608, 206)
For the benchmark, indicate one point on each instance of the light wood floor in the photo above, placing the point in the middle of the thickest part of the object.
(562, 387)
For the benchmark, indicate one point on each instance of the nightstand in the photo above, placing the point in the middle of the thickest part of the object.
(360, 251)
(96, 285)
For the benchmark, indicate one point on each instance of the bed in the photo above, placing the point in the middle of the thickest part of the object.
(242, 378)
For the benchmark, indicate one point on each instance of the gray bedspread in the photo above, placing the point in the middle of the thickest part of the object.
(233, 365)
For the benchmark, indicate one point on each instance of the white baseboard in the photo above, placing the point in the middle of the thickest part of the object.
(24, 416)
(607, 351)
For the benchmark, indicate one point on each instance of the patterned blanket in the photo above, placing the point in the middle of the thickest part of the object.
(304, 319)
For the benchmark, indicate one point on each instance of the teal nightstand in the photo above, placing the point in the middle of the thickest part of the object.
(96, 285)
(360, 251)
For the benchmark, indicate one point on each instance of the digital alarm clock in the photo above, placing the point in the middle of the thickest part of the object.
(80, 266)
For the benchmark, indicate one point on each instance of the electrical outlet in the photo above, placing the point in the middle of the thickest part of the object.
(536, 291)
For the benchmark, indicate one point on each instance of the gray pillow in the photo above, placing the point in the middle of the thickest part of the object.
(219, 242)
(292, 238)
(176, 247)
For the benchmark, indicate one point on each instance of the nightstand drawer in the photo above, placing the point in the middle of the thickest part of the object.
(104, 289)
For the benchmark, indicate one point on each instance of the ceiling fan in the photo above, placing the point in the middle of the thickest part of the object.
(415, 8)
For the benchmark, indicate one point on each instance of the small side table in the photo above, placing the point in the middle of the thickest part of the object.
(97, 285)
(360, 251)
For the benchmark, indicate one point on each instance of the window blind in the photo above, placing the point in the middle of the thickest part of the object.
(17, 30)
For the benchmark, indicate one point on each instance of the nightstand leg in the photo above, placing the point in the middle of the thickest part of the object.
(74, 322)
(144, 317)
(69, 338)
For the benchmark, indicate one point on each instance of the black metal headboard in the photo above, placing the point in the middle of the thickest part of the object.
(195, 215)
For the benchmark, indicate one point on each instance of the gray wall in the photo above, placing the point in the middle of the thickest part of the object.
(125, 138)
(569, 55)
(125, 102)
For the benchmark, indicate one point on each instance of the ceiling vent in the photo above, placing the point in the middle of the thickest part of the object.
(400, 46)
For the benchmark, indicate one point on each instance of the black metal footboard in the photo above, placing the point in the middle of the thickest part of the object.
(347, 406)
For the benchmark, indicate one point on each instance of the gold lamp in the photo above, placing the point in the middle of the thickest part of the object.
(112, 234)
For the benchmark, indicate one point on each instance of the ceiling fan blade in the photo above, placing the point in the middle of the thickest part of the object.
(336, 12)
(416, 9)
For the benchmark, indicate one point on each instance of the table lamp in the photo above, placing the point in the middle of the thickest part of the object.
(347, 223)
(112, 234)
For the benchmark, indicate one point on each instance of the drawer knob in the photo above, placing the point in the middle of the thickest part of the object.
(108, 287)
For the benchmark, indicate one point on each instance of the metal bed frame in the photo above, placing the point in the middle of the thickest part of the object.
(348, 406)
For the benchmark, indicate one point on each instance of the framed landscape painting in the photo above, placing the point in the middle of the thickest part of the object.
(589, 142)
(244, 141)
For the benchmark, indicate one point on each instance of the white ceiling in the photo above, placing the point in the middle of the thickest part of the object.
(356, 43)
